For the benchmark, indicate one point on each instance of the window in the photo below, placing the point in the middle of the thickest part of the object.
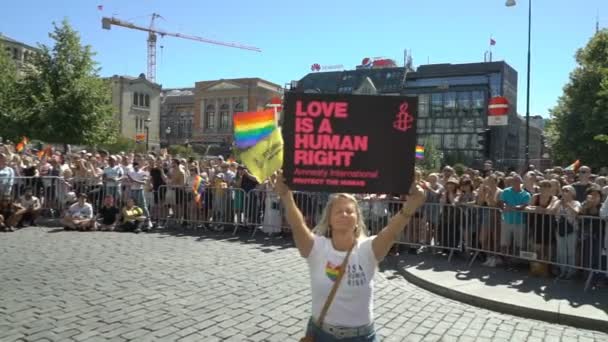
(450, 104)
(147, 101)
(135, 99)
(421, 124)
(437, 104)
(210, 117)
(15, 54)
(238, 108)
(423, 105)
(141, 99)
(224, 116)
(449, 141)
(478, 103)
(463, 141)
(463, 103)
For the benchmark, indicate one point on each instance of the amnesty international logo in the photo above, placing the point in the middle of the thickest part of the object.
(404, 120)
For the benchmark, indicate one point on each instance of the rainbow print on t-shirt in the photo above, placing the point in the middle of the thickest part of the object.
(332, 271)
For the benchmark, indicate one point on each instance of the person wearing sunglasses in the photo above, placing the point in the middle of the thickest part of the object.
(583, 184)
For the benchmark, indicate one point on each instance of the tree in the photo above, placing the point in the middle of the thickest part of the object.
(69, 103)
(10, 109)
(432, 156)
(581, 113)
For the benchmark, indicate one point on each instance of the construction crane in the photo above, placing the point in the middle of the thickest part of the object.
(106, 23)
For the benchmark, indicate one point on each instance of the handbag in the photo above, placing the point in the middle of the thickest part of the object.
(330, 297)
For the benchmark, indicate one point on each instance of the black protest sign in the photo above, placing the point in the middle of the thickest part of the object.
(349, 143)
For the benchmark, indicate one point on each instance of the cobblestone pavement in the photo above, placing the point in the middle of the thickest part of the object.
(64, 286)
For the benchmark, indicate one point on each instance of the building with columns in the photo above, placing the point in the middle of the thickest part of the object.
(215, 103)
(136, 103)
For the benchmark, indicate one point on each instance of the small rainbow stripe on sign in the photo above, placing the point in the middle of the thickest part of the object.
(419, 152)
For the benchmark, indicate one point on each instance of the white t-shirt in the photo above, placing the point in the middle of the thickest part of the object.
(112, 172)
(84, 212)
(33, 202)
(353, 304)
(141, 176)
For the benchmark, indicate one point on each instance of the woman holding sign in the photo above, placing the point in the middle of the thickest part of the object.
(342, 261)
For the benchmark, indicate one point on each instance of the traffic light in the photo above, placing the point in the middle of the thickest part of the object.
(485, 141)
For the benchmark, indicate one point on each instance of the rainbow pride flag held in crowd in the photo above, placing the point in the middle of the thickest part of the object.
(419, 152)
(21, 145)
(198, 187)
(574, 166)
(46, 152)
(251, 127)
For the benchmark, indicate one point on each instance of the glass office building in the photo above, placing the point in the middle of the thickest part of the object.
(452, 104)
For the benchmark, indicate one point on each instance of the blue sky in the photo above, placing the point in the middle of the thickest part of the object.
(295, 34)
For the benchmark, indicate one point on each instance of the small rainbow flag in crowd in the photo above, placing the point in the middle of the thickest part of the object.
(21, 145)
(419, 152)
(198, 187)
(574, 166)
(45, 152)
(251, 127)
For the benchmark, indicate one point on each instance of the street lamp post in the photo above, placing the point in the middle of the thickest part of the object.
(147, 127)
(168, 133)
(511, 3)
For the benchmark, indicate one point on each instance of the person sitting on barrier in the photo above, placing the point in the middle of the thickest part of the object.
(80, 215)
(132, 217)
(338, 246)
(28, 208)
(514, 199)
(108, 215)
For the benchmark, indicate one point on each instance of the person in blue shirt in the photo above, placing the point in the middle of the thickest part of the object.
(513, 229)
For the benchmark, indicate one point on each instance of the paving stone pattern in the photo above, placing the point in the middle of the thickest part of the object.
(168, 286)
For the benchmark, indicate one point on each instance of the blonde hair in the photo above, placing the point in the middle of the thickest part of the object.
(323, 228)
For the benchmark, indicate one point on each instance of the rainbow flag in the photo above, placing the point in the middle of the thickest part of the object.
(251, 127)
(574, 166)
(419, 152)
(198, 187)
(46, 152)
(21, 145)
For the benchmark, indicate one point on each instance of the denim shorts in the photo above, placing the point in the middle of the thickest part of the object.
(323, 336)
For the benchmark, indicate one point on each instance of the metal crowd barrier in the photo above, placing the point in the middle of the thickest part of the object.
(539, 237)
(217, 208)
(566, 244)
(50, 190)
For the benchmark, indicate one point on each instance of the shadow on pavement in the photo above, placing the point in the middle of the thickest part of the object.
(514, 276)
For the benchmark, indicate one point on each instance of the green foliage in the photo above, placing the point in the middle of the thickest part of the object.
(68, 101)
(459, 169)
(120, 144)
(183, 151)
(432, 156)
(601, 137)
(582, 111)
(10, 106)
